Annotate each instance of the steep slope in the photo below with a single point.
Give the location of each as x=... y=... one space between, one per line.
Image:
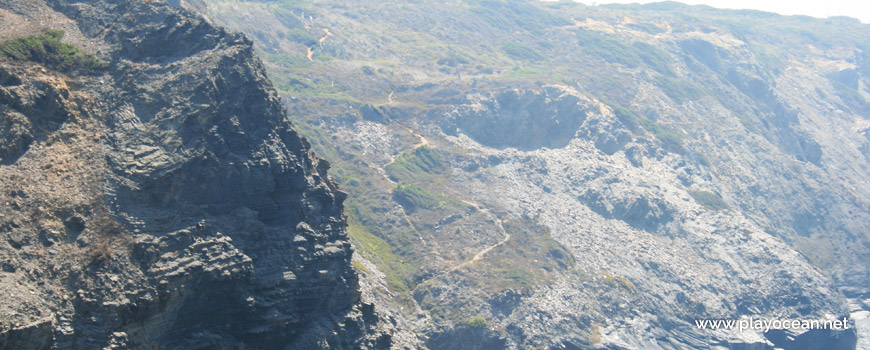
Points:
x=159 y=197
x=650 y=165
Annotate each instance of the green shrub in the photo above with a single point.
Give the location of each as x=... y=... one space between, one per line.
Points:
x=701 y=159
x=359 y=267
x=672 y=140
x=620 y=281
x=476 y=322
x=453 y=59
x=709 y=200
x=47 y=49
x=747 y=124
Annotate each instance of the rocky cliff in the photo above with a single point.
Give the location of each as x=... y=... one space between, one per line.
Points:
x=158 y=197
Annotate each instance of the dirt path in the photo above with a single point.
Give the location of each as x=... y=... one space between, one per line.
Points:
x=480 y=254
x=310 y=53
x=486 y=250
x=423 y=142
x=326 y=34
x=408 y=221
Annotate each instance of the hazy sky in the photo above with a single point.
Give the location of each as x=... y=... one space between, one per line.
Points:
x=859 y=9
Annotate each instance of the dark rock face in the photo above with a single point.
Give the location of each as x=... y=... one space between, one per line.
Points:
x=198 y=217
x=636 y=210
x=467 y=338
x=26 y=115
x=813 y=339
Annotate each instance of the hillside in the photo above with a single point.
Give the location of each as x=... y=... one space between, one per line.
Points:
x=553 y=175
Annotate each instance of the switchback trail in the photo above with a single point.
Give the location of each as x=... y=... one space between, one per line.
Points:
x=480 y=254
x=326 y=34
x=423 y=142
x=486 y=250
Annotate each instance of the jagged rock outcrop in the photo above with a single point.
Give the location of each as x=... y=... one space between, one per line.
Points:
x=164 y=200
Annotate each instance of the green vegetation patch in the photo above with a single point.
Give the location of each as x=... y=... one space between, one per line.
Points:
x=679 y=90
x=530 y=258
x=672 y=140
x=524 y=74
x=521 y=51
x=413 y=197
x=653 y=57
x=509 y=267
x=612 y=49
x=619 y=281
x=390 y=247
x=631 y=120
x=396 y=268
x=420 y=164
x=747 y=124
x=646 y=27
x=453 y=59
x=507 y=14
x=709 y=200
x=319 y=140
x=359 y=267
x=296 y=85
x=849 y=95
x=302 y=36
x=284 y=60
x=47 y=49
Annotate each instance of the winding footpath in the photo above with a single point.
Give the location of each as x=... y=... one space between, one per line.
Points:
x=486 y=250
x=326 y=34
x=499 y=223
x=423 y=142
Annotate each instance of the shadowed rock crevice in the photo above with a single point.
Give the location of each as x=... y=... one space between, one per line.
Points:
x=636 y=210
x=520 y=118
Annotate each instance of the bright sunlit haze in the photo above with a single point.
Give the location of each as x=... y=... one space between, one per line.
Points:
x=820 y=9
